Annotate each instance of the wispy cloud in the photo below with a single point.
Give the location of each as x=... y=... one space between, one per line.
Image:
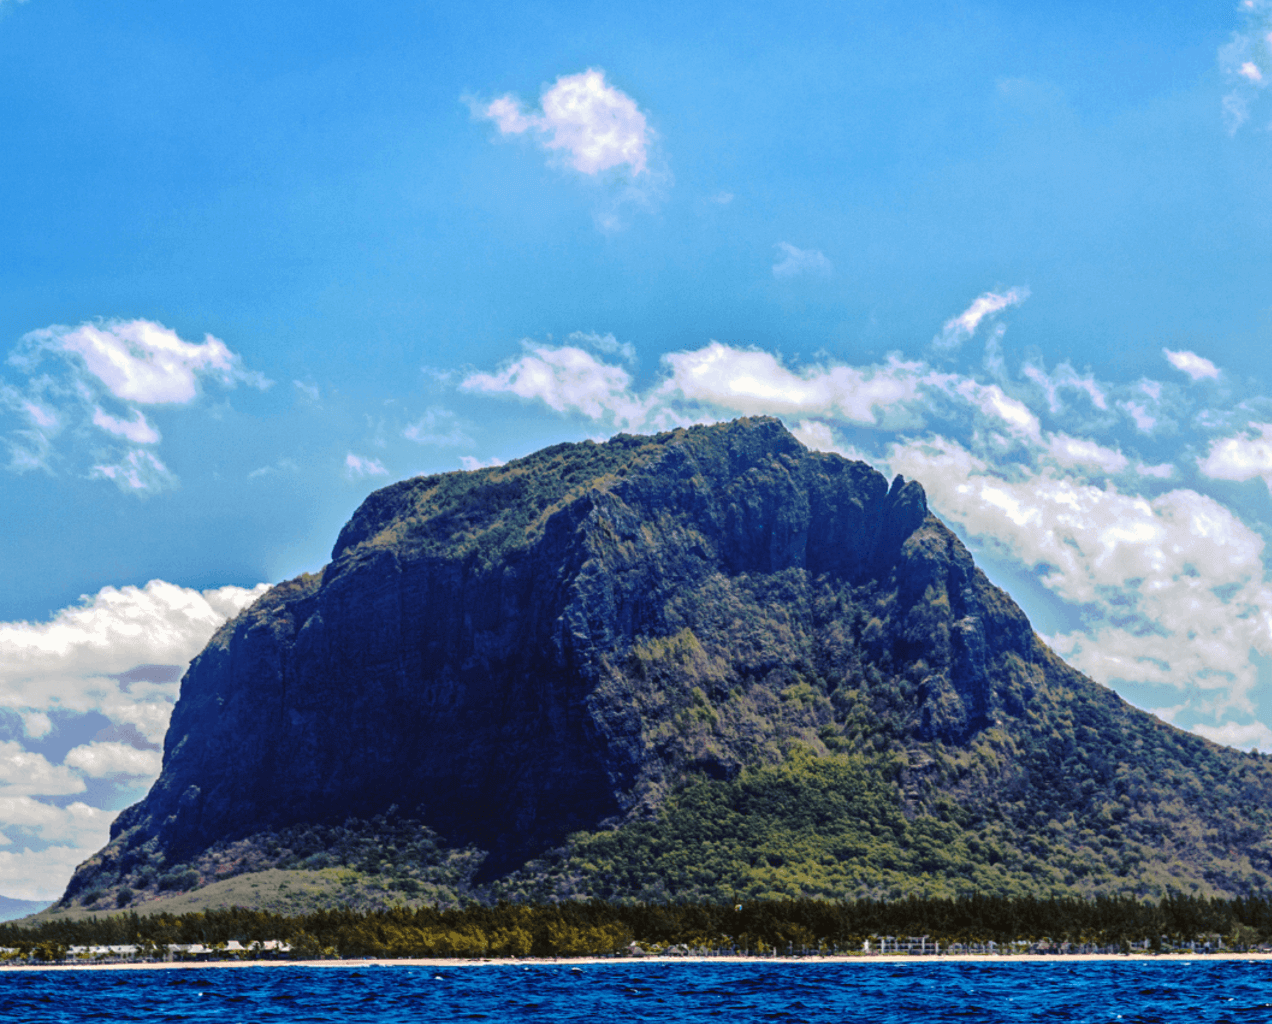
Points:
x=469 y=463
x=606 y=344
x=137 y=429
x=959 y=329
x=439 y=428
x=281 y=466
x=308 y=389
x=1246 y=60
x=1064 y=378
x=99 y=375
x=357 y=467
x=797 y=262
x=139 y=471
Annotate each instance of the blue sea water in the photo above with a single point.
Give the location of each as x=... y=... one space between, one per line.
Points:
x=873 y=993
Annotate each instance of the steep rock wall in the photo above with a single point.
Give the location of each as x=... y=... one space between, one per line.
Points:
x=415 y=671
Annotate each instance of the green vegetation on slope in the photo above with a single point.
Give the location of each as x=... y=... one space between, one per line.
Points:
x=836 y=827
x=488 y=513
x=386 y=861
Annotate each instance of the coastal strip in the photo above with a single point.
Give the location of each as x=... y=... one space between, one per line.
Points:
x=457 y=962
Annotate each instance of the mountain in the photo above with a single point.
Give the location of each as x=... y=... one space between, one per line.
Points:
x=704 y=663
x=11 y=909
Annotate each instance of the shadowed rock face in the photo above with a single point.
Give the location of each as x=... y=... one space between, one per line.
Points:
x=469 y=650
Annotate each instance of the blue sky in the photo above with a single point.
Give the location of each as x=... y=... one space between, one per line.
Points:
x=258 y=264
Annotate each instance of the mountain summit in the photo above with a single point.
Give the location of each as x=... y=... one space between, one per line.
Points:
x=699 y=663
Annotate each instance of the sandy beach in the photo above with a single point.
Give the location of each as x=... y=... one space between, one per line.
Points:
x=456 y=962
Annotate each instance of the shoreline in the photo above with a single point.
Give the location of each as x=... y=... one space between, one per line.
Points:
x=458 y=962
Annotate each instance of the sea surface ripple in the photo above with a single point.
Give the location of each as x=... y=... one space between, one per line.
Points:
x=879 y=993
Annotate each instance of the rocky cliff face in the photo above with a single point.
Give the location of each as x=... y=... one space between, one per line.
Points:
x=552 y=646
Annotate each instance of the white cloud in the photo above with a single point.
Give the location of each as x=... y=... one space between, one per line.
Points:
x=143 y=361
x=1197 y=367
x=814 y=435
x=75 y=823
x=139 y=471
x=439 y=428
x=1080 y=452
x=753 y=382
x=118 y=653
x=1140 y=416
x=700 y=385
x=24 y=773
x=43 y=874
x=994 y=403
x=590 y=124
x=960 y=328
x=722 y=198
x=1250 y=72
x=74 y=833
x=566 y=379
x=794 y=262
x=1242 y=457
x=358 y=467
x=70 y=661
x=1249 y=736
x=103 y=760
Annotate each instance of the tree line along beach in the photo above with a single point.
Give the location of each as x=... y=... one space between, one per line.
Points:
x=979 y=927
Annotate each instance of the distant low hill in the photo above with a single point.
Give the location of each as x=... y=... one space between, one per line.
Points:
x=705 y=664
x=11 y=909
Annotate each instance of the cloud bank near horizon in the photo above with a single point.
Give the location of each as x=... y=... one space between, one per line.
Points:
x=101 y=678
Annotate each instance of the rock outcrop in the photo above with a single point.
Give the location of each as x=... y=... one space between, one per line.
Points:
x=517 y=654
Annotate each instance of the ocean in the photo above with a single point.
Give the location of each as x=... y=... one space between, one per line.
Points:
x=929 y=991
